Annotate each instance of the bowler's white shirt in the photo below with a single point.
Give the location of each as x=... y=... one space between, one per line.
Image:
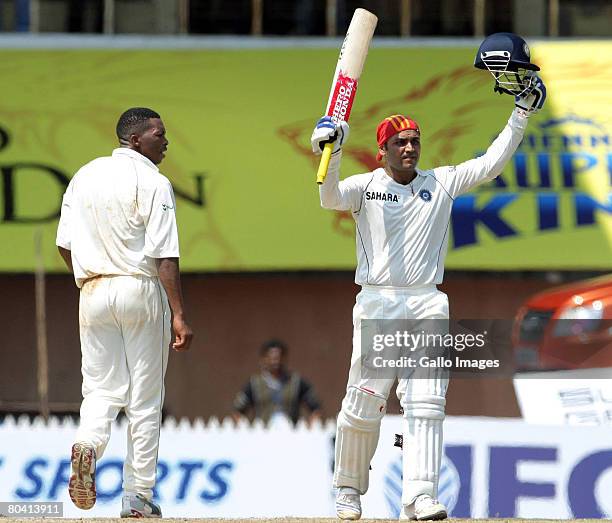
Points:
x=402 y=230
x=118 y=215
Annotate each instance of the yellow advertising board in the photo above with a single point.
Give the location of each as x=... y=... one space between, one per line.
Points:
x=239 y=124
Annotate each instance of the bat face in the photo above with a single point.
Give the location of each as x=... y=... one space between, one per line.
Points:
x=344 y=42
x=350 y=64
x=348 y=70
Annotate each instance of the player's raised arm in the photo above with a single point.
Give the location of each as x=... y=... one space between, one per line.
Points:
x=335 y=194
x=506 y=57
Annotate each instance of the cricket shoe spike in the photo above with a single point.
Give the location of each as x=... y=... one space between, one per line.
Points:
x=82 y=483
x=348 y=503
x=424 y=508
x=137 y=506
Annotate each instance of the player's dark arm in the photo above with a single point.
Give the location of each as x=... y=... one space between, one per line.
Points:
x=66 y=256
x=308 y=397
x=243 y=403
x=170 y=278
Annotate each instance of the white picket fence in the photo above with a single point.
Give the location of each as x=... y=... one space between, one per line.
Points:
x=215 y=468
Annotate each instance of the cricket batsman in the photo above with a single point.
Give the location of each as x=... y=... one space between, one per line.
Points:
x=402 y=215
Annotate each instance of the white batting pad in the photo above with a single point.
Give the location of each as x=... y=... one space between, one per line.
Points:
x=357 y=436
x=422 y=446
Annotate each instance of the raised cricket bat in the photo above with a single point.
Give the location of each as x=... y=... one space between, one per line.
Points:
x=350 y=64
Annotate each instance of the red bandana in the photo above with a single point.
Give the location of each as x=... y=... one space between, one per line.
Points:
x=392 y=125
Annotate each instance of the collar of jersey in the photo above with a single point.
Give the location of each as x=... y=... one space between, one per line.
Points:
x=393 y=183
x=135 y=155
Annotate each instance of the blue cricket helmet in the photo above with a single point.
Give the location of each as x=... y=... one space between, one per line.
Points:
x=506 y=56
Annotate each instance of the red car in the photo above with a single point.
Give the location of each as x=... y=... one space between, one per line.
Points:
x=566 y=327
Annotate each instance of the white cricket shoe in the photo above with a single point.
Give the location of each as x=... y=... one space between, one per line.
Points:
x=348 y=503
x=424 y=508
x=82 y=483
x=137 y=506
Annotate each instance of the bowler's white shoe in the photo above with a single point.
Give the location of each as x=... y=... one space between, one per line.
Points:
x=424 y=508
x=137 y=506
x=348 y=503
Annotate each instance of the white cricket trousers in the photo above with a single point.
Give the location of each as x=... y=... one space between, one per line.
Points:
x=125 y=335
x=422 y=397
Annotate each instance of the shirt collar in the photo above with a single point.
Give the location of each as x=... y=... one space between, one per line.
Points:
x=391 y=181
x=124 y=151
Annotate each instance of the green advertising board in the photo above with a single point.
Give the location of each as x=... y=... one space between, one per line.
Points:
x=239 y=125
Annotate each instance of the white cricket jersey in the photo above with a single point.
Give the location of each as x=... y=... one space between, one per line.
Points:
x=118 y=216
x=402 y=230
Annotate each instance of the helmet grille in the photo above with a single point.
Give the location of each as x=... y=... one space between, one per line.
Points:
x=509 y=77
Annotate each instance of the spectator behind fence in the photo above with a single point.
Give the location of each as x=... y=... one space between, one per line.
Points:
x=275 y=393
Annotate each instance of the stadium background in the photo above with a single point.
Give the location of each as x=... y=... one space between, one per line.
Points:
x=239 y=84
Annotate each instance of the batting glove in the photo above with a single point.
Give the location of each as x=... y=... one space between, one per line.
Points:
x=532 y=101
x=328 y=131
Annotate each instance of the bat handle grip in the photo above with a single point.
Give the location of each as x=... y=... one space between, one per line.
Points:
x=324 y=163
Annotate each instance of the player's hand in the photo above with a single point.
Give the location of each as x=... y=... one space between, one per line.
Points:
x=328 y=131
x=534 y=100
x=182 y=334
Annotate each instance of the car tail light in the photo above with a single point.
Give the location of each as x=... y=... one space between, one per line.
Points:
x=581 y=319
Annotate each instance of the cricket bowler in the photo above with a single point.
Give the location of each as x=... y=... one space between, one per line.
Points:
x=118 y=235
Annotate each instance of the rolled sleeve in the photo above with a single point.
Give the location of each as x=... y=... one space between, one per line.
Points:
x=161 y=238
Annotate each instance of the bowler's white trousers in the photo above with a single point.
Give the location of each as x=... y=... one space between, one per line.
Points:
x=422 y=397
x=125 y=334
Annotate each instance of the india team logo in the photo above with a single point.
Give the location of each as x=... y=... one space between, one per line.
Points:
x=425 y=195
